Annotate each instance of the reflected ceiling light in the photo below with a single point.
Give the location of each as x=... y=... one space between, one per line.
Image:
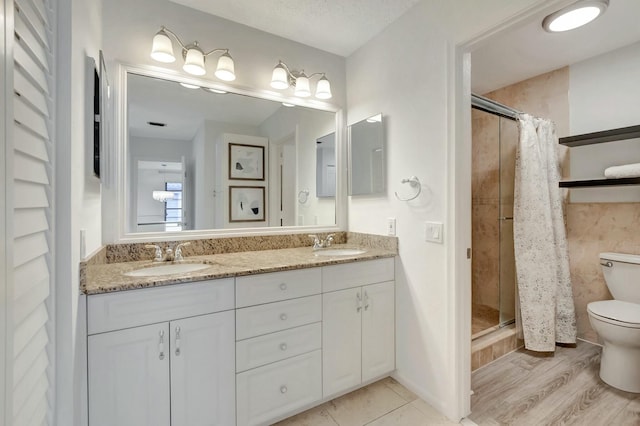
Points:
x=218 y=91
x=283 y=77
x=375 y=119
x=288 y=105
x=189 y=86
x=162 y=196
x=194 y=57
x=574 y=15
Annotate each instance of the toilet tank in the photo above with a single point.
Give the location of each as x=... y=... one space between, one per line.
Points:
x=622 y=276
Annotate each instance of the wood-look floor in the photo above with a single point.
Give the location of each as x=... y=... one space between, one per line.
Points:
x=524 y=389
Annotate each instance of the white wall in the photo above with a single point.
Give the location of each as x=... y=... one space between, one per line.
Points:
x=77 y=195
x=405 y=73
x=604 y=94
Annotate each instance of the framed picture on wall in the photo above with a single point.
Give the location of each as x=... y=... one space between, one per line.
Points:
x=246 y=162
x=246 y=204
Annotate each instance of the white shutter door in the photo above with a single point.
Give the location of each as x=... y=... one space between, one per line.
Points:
x=30 y=151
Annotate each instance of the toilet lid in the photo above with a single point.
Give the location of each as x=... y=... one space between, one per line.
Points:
x=616 y=310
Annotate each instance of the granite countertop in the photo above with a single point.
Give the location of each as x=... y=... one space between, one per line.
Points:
x=109 y=277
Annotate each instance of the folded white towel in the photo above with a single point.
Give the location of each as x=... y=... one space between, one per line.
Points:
x=624 y=171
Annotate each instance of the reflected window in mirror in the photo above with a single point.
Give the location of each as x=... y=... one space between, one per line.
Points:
x=367 y=157
x=196 y=133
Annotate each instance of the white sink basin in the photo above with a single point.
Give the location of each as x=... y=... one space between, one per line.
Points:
x=169 y=269
x=340 y=252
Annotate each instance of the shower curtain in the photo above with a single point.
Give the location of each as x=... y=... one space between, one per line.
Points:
x=540 y=243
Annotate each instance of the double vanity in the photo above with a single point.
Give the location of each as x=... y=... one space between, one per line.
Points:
x=249 y=338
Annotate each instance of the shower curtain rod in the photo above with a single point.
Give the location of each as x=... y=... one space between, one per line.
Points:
x=487 y=105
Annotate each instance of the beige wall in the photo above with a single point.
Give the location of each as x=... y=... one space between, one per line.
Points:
x=592 y=228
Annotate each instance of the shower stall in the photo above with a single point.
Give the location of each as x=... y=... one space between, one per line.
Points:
x=494 y=140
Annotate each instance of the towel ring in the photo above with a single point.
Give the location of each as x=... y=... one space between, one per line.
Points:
x=414 y=182
x=303 y=196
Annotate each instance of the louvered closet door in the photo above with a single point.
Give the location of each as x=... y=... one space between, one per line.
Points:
x=32 y=240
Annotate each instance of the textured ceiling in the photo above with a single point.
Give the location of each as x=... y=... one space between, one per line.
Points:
x=336 y=26
x=528 y=50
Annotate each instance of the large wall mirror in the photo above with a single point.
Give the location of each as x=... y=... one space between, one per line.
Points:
x=367 y=157
x=202 y=159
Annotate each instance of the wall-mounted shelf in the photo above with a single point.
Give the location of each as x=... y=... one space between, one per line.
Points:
x=599 y=182
x=612 y=135
x=602 y=137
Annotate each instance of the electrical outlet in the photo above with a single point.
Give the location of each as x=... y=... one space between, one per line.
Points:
x=391 y=226
x=433 y=232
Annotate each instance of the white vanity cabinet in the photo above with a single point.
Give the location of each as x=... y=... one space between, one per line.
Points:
x=358 y=327
x=278 y=348
x=163 y=356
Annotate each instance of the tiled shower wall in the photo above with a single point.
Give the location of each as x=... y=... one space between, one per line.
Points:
x=592 y=228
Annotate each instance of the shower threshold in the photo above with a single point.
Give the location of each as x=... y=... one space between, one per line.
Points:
x=492 y=329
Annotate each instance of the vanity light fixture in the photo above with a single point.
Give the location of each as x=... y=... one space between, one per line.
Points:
x=288 y=105
x=575 y=15
x=194 y=57
x=283 y=77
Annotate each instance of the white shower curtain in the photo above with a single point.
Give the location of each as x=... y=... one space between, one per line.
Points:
x=542 y=259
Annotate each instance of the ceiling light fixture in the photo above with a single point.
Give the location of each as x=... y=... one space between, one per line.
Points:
x=162 y=196
x=575 y=15
x=194 y=57
x=283 y=77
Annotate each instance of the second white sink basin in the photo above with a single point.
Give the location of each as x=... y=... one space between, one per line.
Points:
x=339 y=252
x=169 y=269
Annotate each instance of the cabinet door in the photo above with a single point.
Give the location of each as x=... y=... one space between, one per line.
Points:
x=378 y=330
x=129 y=377
x=341 y=340
x=203 y=370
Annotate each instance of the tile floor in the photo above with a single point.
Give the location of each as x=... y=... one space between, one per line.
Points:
x=383 y=403
x=483 y=317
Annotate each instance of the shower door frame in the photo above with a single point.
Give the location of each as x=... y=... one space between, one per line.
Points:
x=459 y=199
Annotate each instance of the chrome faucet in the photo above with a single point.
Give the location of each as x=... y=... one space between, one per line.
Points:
x=177 y=254
x=320 y=243
x=170 y=254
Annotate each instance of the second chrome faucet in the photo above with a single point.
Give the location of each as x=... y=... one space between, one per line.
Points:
x=319 y=243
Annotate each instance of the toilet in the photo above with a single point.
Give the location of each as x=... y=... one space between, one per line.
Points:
x=617 y=321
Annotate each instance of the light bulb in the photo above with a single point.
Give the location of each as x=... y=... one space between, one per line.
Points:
x=194 y=61
x=302 y=86
x=226 y=69
x=323 y=89
x=280 y=77
x=162 y=49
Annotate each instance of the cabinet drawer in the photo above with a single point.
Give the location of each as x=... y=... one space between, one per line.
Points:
x=132 y=308
x=269 y=392
x=263 y=319
x=347 y=275
x=265 y=288
x=258 y=351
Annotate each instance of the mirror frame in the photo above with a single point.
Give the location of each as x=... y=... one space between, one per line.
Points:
x=116 y=177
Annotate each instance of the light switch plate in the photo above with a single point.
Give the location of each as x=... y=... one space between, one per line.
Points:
x=391 y=226
x=433 y=232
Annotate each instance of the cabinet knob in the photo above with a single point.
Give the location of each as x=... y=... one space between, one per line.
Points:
x=283 y=317
x=283 y=286
x=283 y=347
x=283 y=389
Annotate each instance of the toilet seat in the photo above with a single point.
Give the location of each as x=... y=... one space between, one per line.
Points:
x=625 y=314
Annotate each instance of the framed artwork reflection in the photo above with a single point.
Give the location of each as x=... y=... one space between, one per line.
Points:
x=246 y=204
x=246 y=162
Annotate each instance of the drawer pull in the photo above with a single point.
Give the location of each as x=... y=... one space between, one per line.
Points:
x=178 y=341
x=366 y=301
x=359 y=302
x=283 y=317
x=283 y=389
x=283 y=347
x=161 y=345
x=283 y=286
